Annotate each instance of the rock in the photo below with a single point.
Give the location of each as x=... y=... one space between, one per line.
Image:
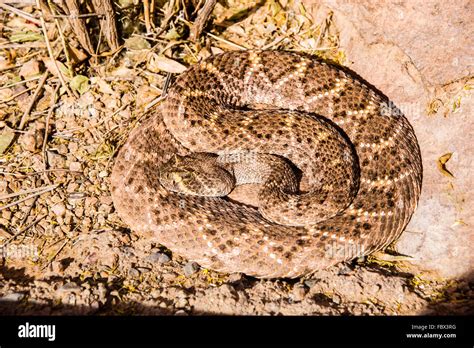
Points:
x=190 y=268
x=62 y=149
x=298 y=292
x=102 y=292
x=133 y=272
x=181 y=313
x=68 y=287
x=13 y=297
x=311 y=282
x=229 y=292
x=75 y=166
x=426 y=67
x=344 y=270
x=181 y=303
x=158 y=257
x=235 y=278
x=95 y=304
x=272 y=307
x=336 y=299
x=114 y=293
x=55 y=160
x=155 y=293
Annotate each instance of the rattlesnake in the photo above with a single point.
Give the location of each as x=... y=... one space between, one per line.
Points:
x=358 y=155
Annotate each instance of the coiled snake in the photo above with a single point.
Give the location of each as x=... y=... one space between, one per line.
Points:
x=338 y=165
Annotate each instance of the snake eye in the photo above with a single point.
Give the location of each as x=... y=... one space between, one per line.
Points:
x=165 y=175
x=186 y=174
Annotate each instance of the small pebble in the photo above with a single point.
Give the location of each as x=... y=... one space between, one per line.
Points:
x=28 y=142
x=190 y=268
x=180 y=313
x=298 y=293
x=133 y=272
x=75 y=166
x=68 y=287
x=344 y=270
x=114 y=293
x=336 y=299
x=143 y=270
x=155 y=293
x=102 y=292
x=14 y=297
x=59 y=209
x=311 y=282
x=157 y=257
x=235 y=277
x=181 y=303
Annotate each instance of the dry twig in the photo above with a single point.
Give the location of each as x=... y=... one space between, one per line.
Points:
x=40 y=192
x=20 y=13
x=201 y=20
x=24 y=229
x=51 y=55
x=32 y=101
x=43 y=148
x=107 y=23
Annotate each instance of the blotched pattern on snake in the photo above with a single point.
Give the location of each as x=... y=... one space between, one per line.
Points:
x=338 y=166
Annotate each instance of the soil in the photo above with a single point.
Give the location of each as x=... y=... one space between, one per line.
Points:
x=64 y=250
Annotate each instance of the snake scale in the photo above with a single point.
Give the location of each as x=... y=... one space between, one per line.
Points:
x=255 y=113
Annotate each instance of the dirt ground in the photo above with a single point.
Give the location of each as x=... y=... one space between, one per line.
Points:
x=63 y=248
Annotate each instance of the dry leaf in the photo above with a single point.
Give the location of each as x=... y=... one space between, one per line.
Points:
x=161 y=63
x=44 y=103
x=236 y=29
x=123 y=72
x=137 y=43
x=30 y=68
x=145 y=94
x=172 y=34
x=5 y=63
x=442 y=165
x=104 y=86
x=80 y=83
x=22 y=24
x=216 y=50
x=49 y=63
x=6 y=138
x=25 y=36
x=5 y=94
x=77 y=55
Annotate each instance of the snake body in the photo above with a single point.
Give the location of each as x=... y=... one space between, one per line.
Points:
x=358 y=155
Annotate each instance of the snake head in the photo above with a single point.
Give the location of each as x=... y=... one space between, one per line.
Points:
x=177 y=177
